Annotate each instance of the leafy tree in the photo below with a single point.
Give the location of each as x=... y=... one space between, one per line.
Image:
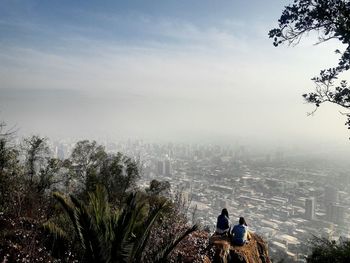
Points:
x=91 y=166
x=87 y=155
x=330 y=20
x=47 y=174
x=118 y=174
x=326 y=251
x=86 y=159
x=9 y=168
x=41 y=173
x=36 y=153
x=40 y=166
x=159 y=188
x=8 y=153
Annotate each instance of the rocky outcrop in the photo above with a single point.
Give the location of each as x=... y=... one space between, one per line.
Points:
x=255 y=251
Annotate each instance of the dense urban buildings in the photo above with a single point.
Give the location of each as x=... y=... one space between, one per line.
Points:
x=285 y=197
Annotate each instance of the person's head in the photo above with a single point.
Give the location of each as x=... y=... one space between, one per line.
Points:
x=224 y=212
x=242 y=221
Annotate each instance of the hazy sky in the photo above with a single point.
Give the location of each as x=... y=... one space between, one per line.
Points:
x=159 y=69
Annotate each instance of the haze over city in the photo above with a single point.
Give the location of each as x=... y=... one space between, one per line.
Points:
x=175 y=131
x=178 y=70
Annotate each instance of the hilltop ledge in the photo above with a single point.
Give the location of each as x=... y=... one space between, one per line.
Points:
x=225 y=252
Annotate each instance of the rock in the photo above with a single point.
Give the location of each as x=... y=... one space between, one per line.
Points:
x=255 y=251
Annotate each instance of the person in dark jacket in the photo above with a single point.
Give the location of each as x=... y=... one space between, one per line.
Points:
x=223 y=223
x=240 y=233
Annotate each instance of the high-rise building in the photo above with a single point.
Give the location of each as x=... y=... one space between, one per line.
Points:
x=167 y=168
x=310 y=208
x=160 y=168
x=60 y=150
x=330 y=195
x=164 y=167
x=335 y=213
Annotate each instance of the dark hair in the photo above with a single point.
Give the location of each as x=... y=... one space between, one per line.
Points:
x=224 y=212
x=242 y=221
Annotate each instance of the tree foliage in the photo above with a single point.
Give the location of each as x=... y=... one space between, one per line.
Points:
x=8 y=153
x=36 y=152
x=118 y=174
x=91 y=165
x=330 y=19
x=326 y=251
x=159 y=188
x=105 y=217
x=113 y=236
x=86 y=158
x=9 y=168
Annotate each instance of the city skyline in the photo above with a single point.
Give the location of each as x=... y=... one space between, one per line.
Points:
x=285 y=198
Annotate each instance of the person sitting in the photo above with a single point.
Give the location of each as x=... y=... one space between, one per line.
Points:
x=223 y=223
x=240 y=233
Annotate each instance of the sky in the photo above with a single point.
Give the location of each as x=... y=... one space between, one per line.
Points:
x=161 y=70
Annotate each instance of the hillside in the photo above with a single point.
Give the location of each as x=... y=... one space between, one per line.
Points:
x=254 y=252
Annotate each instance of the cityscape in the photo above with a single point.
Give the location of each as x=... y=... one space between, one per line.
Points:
x=285 y=199
x=175 y=131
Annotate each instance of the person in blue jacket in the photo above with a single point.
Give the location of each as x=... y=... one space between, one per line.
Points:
x=223 y=223
x=240 y=233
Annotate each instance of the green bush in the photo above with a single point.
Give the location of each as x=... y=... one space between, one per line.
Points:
x=327 y=251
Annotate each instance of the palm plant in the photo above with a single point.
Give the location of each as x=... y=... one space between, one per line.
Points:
x=108 y=236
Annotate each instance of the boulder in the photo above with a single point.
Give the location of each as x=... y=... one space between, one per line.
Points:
x=255 y=251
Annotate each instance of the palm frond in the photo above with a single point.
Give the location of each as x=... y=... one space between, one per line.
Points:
x=118 y=236
x=69 y=208
x=163 y=254
x=141 y=242
x=98 y=203
x=57 y=232
x=84 y=227
x=122 y=244
x=91 y=238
